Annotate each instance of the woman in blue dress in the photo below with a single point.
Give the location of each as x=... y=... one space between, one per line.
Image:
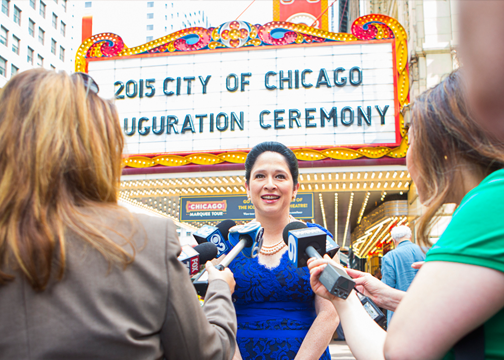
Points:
x=279 y=316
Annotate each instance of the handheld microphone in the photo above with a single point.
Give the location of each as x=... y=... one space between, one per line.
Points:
x=192 y=258
x=217 y=235
x=305 y=243
x=246 y=239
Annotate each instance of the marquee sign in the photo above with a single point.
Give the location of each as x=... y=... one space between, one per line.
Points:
x=236 y=207
x=206 y=96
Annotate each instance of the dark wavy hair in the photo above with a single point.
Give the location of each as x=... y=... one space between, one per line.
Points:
x=446 y=138
x=272 y=146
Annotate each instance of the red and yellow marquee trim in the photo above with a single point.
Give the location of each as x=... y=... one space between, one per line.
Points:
x=239 y=35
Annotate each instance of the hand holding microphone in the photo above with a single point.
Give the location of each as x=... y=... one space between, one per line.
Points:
x=226 y=275
x=328 y=279
x=217 y=235
x=304 y=243
x=246 y=239
x=318 y=266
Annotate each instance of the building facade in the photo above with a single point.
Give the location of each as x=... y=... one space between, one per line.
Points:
x=139 y=21
x=34 y=33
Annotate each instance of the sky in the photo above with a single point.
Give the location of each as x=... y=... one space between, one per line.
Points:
x=121 y=16
x=259 y=12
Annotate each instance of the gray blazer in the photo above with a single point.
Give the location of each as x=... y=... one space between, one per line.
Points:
x=149 y=310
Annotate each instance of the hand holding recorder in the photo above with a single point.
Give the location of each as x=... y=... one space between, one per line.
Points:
x=305 y=243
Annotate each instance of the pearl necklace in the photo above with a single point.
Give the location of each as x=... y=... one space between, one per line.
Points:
x=271 y=250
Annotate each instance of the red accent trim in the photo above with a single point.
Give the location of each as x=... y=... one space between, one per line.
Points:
x=87 y=27
x=397 y=105
x=191 y=168
x=409 y=88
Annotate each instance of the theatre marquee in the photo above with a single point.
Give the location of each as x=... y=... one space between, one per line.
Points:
x=206 y=96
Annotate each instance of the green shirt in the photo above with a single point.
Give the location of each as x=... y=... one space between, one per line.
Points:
x=475 y=236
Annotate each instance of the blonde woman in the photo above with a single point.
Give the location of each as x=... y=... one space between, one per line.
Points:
x=82 y=278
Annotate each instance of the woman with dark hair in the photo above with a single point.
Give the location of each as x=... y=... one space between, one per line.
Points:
x=459 y=291
x=278 y=315
x=80 y=276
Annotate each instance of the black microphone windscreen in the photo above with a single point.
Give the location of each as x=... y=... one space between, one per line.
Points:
x=207 y=251
x=292 y=226
x=224 y=227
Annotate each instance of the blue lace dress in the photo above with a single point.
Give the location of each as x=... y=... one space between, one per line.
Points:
x=275 y=308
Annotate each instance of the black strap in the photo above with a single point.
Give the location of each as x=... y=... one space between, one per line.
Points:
x=471 y=346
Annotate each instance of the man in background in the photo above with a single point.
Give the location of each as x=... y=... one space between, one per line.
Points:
x=396 y=264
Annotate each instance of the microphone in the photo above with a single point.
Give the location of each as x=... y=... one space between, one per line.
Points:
x=304 y=243
x=246 y=239
x=193 y=257
x=217 y=235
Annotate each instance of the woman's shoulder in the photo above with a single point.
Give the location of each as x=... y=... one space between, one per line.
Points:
x=145 y=232
x=475 y=234
x=482 y=204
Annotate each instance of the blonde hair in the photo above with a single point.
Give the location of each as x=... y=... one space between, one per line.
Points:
x=60 y=153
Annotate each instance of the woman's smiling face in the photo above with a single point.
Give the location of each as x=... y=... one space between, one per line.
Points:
x=271 y=187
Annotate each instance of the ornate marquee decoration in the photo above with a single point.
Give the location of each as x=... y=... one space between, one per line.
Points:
x=369 y=237
x=240 y=34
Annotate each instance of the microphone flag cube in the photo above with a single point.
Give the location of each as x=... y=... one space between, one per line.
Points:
x=252 y=232
x=190 y=258
x=213 y=235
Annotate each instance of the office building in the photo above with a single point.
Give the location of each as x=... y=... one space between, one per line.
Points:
x=34 y=33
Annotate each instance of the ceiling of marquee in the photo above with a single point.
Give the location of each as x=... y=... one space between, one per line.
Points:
x=359 y=191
